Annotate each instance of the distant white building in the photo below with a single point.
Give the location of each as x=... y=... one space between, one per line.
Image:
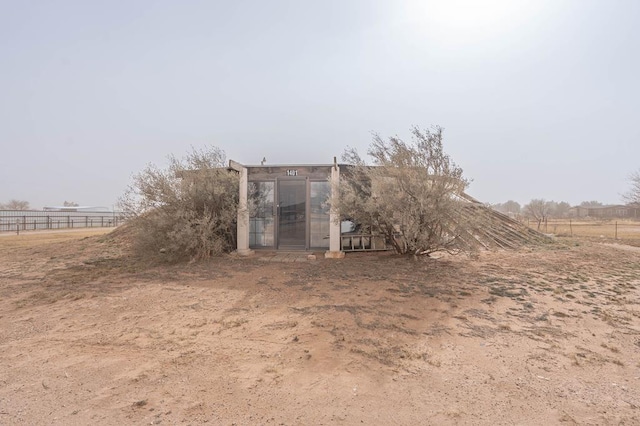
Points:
x=88 y=209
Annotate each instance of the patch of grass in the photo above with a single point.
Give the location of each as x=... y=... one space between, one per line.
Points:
x=38 y=239
x=388 y=355
x=140 y=403
x=281 y=325
x=229 y=324
x=504 y=291
x=611 y=348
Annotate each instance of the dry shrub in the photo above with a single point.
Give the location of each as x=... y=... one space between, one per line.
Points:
x=411 y=195
x=633 y=195
x=186 y=211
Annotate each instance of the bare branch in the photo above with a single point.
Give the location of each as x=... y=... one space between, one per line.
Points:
x=633 y=195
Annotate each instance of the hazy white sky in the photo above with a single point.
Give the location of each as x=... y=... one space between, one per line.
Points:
x=539 y=99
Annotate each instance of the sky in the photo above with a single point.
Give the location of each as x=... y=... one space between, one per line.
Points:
x=538 y=99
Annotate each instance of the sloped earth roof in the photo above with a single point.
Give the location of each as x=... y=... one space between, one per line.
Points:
x=492 y=229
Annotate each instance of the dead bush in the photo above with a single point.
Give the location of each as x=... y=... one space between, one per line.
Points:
x=410 y=194
x=185 y=211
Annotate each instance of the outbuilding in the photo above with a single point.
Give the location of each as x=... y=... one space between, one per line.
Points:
x=291 y=209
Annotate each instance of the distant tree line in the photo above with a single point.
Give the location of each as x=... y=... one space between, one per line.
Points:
x=540 y=209
x=25 y=205
x=15 y=205
x=537 y=208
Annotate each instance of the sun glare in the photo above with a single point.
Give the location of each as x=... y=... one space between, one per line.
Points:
x=467 y=21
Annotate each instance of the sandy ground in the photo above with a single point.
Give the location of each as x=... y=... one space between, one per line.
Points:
x=90 y=335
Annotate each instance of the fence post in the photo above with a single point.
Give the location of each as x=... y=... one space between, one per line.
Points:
x=570 y=228
x=616 y=230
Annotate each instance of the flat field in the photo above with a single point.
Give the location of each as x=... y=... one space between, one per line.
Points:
x=89 y=334
x=623 y=231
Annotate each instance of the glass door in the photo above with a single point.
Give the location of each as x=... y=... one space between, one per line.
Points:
x=292 y=214
x=262 y=220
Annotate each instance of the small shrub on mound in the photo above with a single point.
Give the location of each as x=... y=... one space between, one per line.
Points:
x=186 y=211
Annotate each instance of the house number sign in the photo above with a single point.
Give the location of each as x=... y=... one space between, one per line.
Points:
x=292 y=172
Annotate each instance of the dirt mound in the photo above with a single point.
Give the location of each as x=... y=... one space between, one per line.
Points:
x=124 y=234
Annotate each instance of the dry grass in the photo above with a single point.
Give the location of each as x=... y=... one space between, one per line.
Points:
x=38 y=238
x=627 y=231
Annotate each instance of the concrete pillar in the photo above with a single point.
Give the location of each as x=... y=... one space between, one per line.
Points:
x=243 y=210
x=334 y=218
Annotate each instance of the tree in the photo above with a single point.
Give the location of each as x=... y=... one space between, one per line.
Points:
x=188 y=210
x=560 y=210
x=15 y=205
x=510 y=207
x=410 y=194
x=633 y=195
x=538 y=209
x=70 y=204
x=591 y=204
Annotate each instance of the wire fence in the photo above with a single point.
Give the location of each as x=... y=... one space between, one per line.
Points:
x=624 y=230
x=38 y=220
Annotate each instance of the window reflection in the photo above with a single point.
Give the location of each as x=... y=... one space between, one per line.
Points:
x=261 y=218
x=320 y=192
